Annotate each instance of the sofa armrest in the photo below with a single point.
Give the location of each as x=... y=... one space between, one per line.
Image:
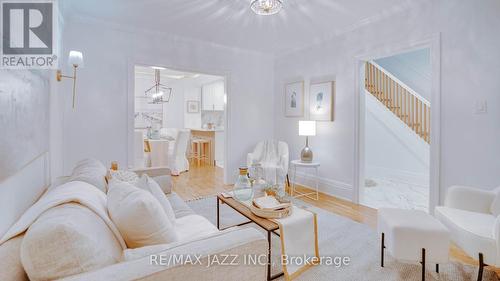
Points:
x=152 y=171
x=469 y=199
x=172 y=264
x=160 y=175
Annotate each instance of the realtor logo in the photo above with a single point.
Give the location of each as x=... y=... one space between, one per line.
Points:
x=28 y=34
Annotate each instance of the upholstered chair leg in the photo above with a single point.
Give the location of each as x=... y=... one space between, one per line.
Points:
x=481 y=267
x=423 y=264
x=382 y=247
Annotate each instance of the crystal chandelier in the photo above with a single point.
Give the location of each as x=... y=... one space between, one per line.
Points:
x=159 y=93
x=266 y=7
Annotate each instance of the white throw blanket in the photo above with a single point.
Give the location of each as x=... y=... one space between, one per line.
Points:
x=299 y=238
x=269 y=157
x=74 y=192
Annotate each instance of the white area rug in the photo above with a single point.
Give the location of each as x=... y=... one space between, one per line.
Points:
x=342 y=237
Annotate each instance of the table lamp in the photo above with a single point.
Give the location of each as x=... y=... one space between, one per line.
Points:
x=307 y=128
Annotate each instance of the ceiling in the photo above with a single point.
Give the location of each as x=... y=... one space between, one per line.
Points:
x=232 y=23
x=175 y=76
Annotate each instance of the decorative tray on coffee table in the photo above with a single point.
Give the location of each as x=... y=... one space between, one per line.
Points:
x=270 y=208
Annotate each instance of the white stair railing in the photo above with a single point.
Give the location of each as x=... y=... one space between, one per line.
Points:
x=409 y=106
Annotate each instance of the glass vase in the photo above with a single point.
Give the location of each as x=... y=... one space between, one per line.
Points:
x=242 y=189
x=256 y=173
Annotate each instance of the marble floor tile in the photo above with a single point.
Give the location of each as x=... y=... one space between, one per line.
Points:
x=384 y=192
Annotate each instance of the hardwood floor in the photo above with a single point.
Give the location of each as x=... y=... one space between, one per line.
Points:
x=202 y=181
x=368 y=216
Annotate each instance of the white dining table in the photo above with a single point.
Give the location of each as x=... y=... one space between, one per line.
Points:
x=159 y=152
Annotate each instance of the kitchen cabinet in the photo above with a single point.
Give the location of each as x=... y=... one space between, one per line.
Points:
x=212 y=96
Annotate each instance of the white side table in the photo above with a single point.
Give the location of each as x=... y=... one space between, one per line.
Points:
x=315 y=166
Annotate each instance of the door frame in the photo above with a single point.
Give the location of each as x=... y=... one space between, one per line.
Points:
x=434 y=44
x=132 y=62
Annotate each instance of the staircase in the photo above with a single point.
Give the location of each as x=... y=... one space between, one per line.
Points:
x=406 y=104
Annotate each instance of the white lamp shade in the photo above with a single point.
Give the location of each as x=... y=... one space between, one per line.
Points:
x=307 y=128
x=75 y=58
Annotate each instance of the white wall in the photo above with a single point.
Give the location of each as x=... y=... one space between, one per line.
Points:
x=24 y=118
x=173 y=111
x=55 y=107
x=469 y=72
x=192 y=93
x=98 y=126
x=412 y=68
x=392 y=149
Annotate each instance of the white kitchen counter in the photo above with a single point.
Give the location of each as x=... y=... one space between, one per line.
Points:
x=217 y=143
x=207 y=130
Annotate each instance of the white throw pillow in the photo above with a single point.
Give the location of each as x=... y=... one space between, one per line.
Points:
x=11 y=268
x=148 y=184
x=90 y=171
x=138 y=216
x=66 y=240
x=495 y=206
x=124 y=175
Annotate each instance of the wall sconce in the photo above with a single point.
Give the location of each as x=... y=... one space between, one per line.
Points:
x=76 y=60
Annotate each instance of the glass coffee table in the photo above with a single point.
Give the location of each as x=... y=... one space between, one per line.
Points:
x=269 y=226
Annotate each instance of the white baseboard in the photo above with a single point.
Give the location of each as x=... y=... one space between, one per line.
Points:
x=328 y=186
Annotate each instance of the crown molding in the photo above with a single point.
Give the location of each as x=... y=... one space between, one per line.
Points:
x=127 y=28
x=378 y=17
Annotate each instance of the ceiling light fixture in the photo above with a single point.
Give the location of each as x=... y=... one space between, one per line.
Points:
x=266 y=7
x=159 y=93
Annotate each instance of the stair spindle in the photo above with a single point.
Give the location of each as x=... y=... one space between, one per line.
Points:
x=400 y=100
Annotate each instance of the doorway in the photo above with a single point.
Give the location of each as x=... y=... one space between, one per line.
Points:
x=179 y=122
x=395 y=94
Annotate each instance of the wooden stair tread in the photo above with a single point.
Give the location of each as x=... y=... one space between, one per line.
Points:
x=392 y=98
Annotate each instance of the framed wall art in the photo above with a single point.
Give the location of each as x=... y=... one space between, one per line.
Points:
x=294 y=99
x=321 y=98
x=193 y=106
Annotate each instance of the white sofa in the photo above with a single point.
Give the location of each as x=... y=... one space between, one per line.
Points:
x=472 y=216
x=71 y=260
x=239 y=242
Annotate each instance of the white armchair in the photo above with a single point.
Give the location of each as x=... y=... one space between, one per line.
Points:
x=273 y=156
x=471 y=215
